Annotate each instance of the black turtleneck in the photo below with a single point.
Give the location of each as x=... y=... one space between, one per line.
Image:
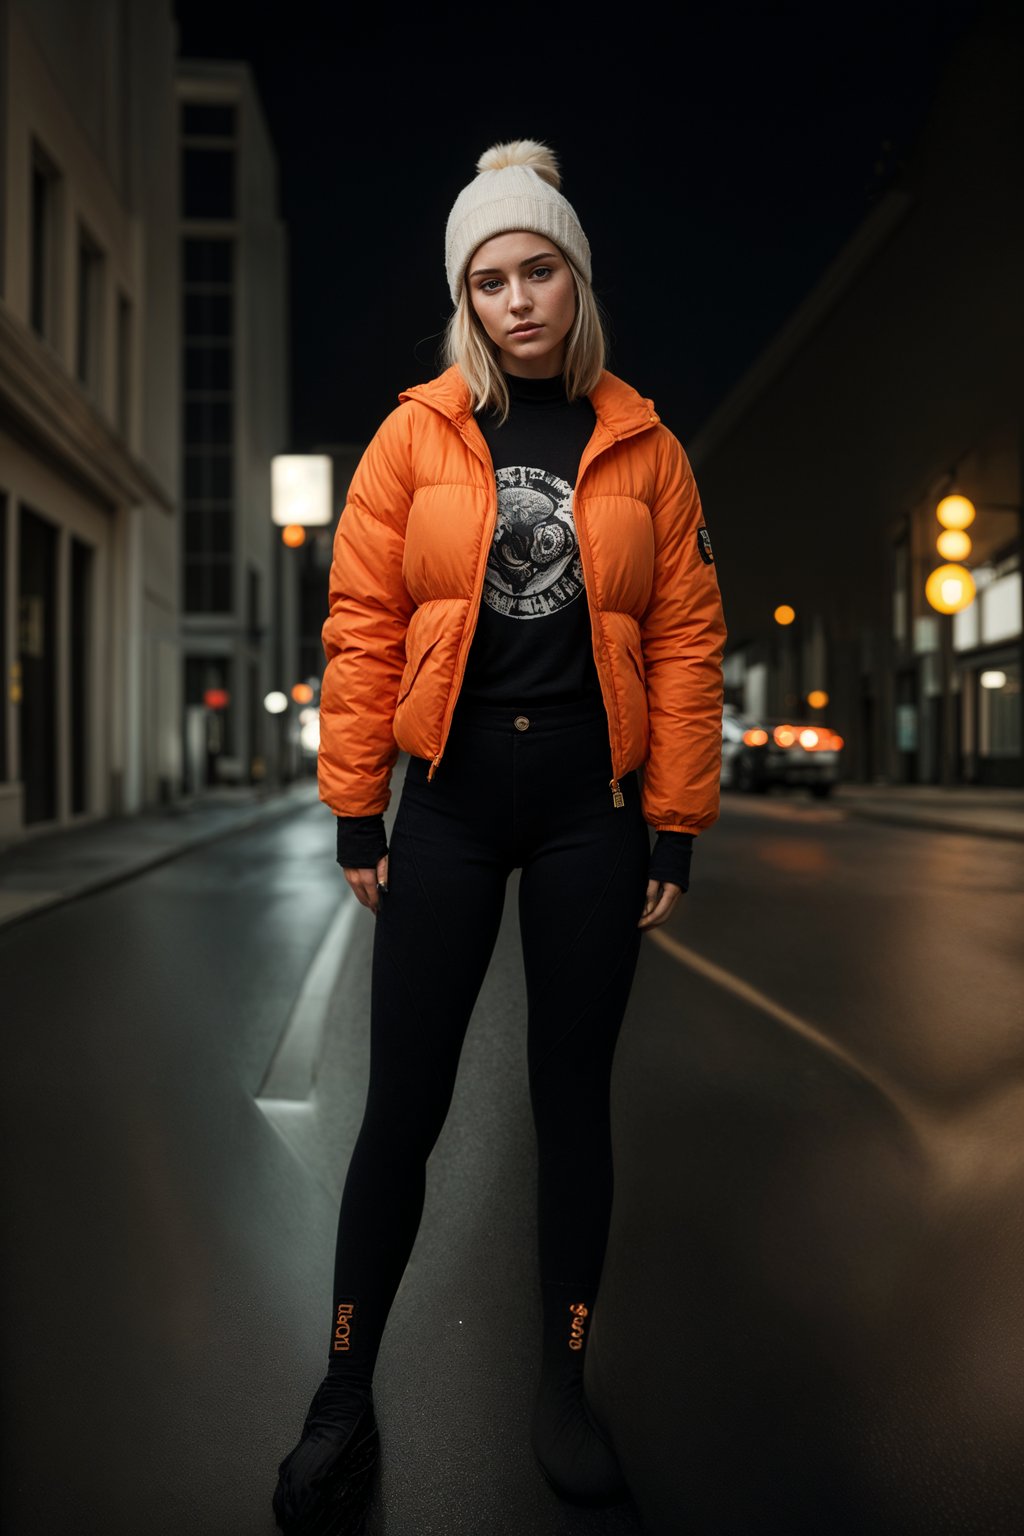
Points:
x=533 y=637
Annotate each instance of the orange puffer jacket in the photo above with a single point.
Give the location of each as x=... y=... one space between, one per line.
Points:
x=410 y=552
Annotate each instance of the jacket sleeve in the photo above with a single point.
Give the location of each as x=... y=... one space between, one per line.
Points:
x=683 y=635
x=364 y=633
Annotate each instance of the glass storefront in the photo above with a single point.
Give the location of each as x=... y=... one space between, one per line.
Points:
x=991 y=746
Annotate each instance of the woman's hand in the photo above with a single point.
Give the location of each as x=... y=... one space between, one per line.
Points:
x=364 y=883
x=661 y=898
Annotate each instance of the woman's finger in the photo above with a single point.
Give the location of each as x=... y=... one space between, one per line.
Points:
x=661 y=898
x=364 y=885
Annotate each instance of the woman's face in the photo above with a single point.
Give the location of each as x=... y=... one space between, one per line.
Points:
x=522 y=289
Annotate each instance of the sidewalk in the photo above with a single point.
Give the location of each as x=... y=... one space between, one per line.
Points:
x=48 y=868
x=983 y=812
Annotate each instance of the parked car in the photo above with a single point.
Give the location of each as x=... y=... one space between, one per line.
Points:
x=759 y=753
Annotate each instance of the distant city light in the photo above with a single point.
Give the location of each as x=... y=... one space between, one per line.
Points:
x=275 y=703
x=294 y=535
x=302 y=693
x=784 y=614
x=993 y=679
x=309 y=734
x=817 y=698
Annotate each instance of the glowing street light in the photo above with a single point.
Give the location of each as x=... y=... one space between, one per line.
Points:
x=784 y=614
x=950 y=588
x=953 y=544
x=300 y=489
x=955 y=512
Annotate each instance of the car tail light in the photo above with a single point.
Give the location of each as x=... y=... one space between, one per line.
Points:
x=812 y=738
x=824 y=739
x=755 y=738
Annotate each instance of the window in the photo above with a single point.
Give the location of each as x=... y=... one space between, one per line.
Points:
x=124 y=365
x=89 y=327
x=43 y=247
x=10 y=677
x=208 y=425
x=79 y=671
x=208 y=160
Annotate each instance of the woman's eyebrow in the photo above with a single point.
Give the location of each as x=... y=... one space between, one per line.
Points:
x=544 y=256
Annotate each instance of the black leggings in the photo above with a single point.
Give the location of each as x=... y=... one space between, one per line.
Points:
x=503 y=797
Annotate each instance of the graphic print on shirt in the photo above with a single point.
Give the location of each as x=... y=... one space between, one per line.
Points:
x=534 y=567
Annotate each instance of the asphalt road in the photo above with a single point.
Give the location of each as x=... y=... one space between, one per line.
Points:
x=811 y=1316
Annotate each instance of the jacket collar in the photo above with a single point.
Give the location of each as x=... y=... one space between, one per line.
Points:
x=619 y=408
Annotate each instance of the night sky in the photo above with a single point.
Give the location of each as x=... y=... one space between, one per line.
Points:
x=718 y=159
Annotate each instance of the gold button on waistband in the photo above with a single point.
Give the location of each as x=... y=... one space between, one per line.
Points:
x=521 y=722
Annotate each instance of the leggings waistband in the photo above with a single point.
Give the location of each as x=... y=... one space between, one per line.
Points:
x=567 y=715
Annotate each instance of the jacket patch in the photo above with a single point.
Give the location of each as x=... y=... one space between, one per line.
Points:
x=704 y=545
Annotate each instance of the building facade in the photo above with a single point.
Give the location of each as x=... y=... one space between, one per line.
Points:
x=143 y=377
x=240 y=585
x=897 y=381
x=88 y=418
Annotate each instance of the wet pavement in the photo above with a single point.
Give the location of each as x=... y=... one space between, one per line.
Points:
x=810 y=1317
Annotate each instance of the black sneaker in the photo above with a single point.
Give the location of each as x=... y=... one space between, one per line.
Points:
x=324 y=1483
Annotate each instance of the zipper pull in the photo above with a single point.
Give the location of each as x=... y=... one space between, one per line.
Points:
x=433 y=767
x=618 y=798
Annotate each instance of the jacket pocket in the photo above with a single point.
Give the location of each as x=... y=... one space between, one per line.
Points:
x=636 y=657
x=412 y=669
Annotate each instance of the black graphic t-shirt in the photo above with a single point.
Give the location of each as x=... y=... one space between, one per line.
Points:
x=532 y=643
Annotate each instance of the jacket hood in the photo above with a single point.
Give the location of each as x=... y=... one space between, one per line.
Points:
x=620 y=408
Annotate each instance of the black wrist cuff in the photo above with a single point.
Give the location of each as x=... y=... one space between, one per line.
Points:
x=362 y=841
x=670 y=858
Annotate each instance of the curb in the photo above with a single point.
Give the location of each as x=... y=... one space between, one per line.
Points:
x=931 y=823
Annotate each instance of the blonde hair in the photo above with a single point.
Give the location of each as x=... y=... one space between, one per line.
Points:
x=468 y=345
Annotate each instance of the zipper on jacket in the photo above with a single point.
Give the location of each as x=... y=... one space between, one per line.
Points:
x=485 y=546
x=583 y=536
x=486 y=460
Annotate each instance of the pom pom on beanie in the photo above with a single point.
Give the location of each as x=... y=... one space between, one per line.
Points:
x=517 y=186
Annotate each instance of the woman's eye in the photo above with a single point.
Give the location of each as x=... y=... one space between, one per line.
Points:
x=485 y=287
x=540 y=269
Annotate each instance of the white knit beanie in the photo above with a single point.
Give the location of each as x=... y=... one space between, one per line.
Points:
x=516 y=187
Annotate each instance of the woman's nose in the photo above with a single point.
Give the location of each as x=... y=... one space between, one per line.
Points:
x=518 y=299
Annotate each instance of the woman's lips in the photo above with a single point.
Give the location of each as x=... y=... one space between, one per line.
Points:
x=526 y=330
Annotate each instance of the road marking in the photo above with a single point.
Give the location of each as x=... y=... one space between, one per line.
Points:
x=968 y=1149
x=293 y=1067
x=896 y=1095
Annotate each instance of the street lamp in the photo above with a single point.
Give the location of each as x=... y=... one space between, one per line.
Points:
x=950 y=588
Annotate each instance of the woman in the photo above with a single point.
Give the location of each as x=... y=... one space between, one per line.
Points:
x=523 y=598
